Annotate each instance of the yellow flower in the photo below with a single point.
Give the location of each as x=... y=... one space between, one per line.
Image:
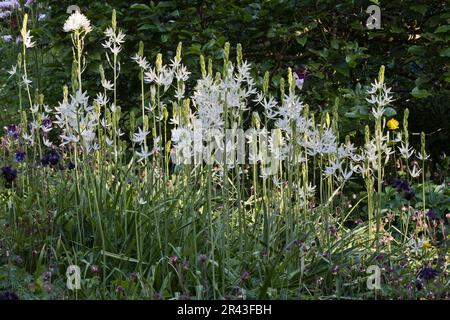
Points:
x=426 y=244
x=392 y=124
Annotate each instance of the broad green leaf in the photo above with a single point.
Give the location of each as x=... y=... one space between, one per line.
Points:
x=444 y=52
x=140 y=6
x=389 y=112
x=440 y=29
x=301 y=40
x=420 y=93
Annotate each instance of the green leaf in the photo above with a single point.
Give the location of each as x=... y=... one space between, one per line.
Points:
x=440 y=29
x=140 y=6
x=444 y=52
x=389 y=112
x=420 y=8
x=301 y=40
x=417 y=50
x=420 y=93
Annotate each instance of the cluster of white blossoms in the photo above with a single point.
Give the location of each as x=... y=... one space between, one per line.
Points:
x=207 y=126
x=162 y=75
x=380 y=97
x=77 y=22
x=114 y=40
x=78 y=122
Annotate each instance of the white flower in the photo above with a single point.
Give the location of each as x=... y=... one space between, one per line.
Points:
x=346 y=173
x=405 y=151
x=80 y=97
x=26 y=81
x=141 y=201
x=108 y=141
x=101 y=99
x=378 y=112
x=34 y=108
x=140 y=136
x=104 y=123
x=69 y=138
x=107 y=85
x=13 y=71
x=27 y=40
x=422 y=157
x=375 y=87
x=120 y=133
x=114 y=41
x=144 y=154
x=414 y=173
x=77 y=22
x=48 y=143
x=29 y=138
x=141 y=61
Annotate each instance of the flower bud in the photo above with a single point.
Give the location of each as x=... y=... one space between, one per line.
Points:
x=239 y=53
x=381 y=75
x=266 y=82
x=203 y=66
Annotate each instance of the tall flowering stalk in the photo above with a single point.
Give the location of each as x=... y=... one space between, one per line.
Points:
x=114 y=41
x=78 y=26
x=380 y=97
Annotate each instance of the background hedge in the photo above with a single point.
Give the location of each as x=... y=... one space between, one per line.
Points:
x=329 y=38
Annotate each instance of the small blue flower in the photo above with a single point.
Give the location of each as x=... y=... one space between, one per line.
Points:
x=20 y=156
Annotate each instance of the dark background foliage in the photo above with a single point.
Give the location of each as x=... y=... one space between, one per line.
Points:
x=329 y=38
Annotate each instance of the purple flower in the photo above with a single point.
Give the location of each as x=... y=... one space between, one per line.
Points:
x=8 y=295
x=9 y=173
x=403 y=186
x=300 y=77
x=427 y=273
x=47 y=123
x=158 y=296
x=20 y=156
x=335 y=269
x=245 y=276
x=431 y=214
x=12 y=4
x=202 y=258
x=185 y=265
x=70 y=165
x=12 y=131
x=133 y=276
x=94 y=268
x=120 y=289
x=18 y=260
x=409 y=194
x=173 y=260
x=50 y=158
